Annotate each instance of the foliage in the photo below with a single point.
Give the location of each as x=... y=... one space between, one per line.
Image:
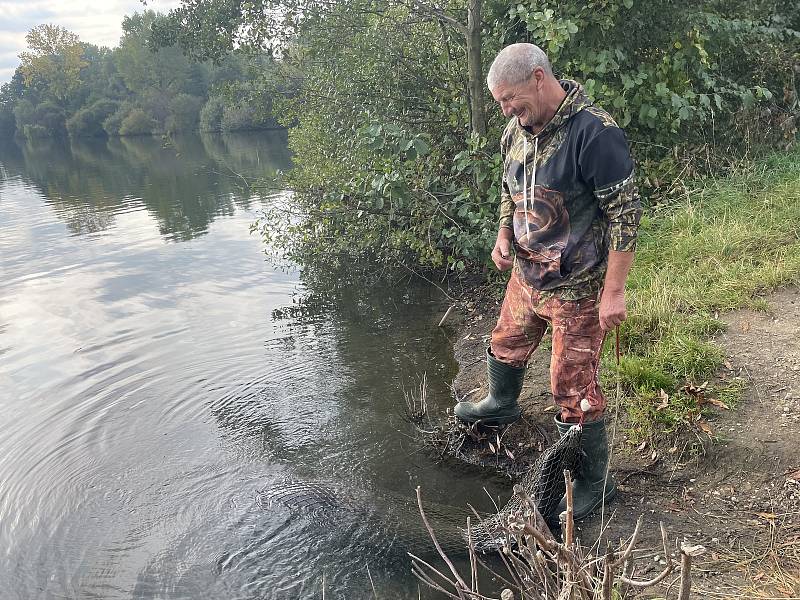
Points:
x=211 y=114
x=42 y=120
x=670 y=71
x=54 y=61
x=137 y=122
x=369 y=80
x=58 y=69
x=88 y=122
x=112 y=123
x=184 y=112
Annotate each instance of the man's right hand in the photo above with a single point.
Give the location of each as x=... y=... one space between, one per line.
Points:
x=501 y=253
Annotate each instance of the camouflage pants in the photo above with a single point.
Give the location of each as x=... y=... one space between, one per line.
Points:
x=577 y=337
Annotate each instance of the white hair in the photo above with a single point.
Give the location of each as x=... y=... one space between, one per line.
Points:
x=515 y=63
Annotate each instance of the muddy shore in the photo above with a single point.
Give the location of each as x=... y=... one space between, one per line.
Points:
x=736 y=490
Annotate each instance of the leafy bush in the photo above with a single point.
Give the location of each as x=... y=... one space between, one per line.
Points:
x=23 y=114
x=673 y=74
x=88 y=122
x=7 y=121
x=668 y=71
x=137 y=122
x=211 y=114
x=238 y=117
x=113 y=122
x=184 y=112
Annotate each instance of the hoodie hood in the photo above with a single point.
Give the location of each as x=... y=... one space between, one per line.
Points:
x=574 y=102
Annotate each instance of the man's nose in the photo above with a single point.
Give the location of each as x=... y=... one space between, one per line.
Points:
x=506 y=108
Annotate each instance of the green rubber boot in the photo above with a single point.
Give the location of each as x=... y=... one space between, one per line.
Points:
x=587 y=484
x=500 y=406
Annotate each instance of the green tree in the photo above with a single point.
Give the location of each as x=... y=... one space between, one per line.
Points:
x=184 y=113
x=211 y=114
x=389 y=157
x=165 y=70
x=88 y=122
x=137 y=122
x=54 y=59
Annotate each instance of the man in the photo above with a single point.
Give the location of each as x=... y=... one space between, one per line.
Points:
x=570 y=211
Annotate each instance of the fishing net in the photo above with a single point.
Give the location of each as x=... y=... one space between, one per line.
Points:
x=544 y=483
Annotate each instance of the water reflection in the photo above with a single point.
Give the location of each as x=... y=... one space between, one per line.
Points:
x=158 y=375
x=183 y=182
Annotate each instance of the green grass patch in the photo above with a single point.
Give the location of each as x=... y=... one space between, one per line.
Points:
x=723 y=247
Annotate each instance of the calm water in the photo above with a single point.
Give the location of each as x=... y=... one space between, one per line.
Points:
x=156 y=373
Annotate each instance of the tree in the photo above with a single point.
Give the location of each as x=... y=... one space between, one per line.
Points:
x=164 y=70
x=54 y=60
x=214 y=28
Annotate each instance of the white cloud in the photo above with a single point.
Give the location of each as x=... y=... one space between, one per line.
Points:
x=95 y=21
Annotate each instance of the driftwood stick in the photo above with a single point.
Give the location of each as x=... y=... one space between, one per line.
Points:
x=686 y=576
x=473 y=567
x=627 y=573
x=608 y=575
x=569 y=522
x=687 y=553
x=436 y=543
x=660 y=577
x=538 y=520
x=650 y=582
x=447 y=314
x=627 y=552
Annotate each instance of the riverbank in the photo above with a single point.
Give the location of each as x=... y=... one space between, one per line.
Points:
x=710 y=400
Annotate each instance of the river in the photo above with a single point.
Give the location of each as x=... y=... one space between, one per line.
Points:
x=158 y=372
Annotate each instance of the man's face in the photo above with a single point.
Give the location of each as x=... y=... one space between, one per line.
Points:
x=522 y=100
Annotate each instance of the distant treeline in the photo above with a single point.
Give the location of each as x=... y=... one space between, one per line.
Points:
x=67 y=87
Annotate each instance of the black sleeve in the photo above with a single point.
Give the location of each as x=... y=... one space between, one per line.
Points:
x=606 y=160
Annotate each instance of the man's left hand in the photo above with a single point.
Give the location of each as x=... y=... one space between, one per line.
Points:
x=612 y=309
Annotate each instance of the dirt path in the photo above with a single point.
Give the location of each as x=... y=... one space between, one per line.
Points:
x=737 y=495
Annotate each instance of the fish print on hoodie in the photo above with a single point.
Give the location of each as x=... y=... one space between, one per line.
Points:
x=569 y=196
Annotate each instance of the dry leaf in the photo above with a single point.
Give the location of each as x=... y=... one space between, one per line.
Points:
x=550 y=408
x=491 y=447
x=718 y=403
x=767 y=516
x=745 y=326
x=664 y=400
x=795 y=475
x=705 y=427
x=698 y=392
x=509 y=454
x=758 y=576
x=642 y=446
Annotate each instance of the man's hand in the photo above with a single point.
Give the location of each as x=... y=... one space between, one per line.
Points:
x=612 y=301
x=501 y=253
x=612 y=309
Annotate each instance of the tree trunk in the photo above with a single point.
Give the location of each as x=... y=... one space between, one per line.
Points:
x=477 y=108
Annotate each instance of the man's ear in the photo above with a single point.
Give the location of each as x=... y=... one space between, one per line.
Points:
x=538 y=76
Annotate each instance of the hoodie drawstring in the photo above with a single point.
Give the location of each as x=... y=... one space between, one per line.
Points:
x=525 y=178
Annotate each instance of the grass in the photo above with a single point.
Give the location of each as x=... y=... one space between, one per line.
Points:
x=721 y=248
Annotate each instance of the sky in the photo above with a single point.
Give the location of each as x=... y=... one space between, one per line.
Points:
x=95 y=21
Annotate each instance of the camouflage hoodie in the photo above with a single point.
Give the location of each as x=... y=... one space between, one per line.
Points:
x=568 y=194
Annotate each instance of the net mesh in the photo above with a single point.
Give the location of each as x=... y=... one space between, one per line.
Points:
x=544 y=483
